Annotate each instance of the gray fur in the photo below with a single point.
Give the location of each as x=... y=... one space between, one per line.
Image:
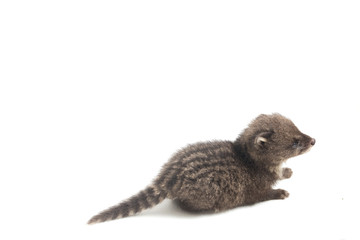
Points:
x=220 y=175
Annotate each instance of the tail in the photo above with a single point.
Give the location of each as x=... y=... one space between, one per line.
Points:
x=145 y=199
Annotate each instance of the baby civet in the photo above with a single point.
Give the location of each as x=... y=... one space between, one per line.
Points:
x=220 y=175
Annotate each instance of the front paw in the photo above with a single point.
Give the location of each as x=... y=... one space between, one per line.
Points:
x=286 y=173
x=280 y=194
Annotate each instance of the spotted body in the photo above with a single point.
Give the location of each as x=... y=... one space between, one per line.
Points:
x=220 y=175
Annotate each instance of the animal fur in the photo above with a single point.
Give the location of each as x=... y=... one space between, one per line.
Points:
x=220 y=175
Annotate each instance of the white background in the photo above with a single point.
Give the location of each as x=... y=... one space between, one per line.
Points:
x=96 y=95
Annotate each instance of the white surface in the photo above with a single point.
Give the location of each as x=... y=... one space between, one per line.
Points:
x=96 y=95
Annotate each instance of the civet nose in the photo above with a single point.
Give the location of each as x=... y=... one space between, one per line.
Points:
x=313 y=141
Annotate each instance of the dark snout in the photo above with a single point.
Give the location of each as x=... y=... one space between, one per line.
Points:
x=308 y=144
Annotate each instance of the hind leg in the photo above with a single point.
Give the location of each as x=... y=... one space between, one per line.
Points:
x=186 y=206
x=196 y=200
x=195 y=205
x=200 y=195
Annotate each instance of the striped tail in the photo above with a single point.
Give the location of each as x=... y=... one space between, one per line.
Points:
x=145 y=199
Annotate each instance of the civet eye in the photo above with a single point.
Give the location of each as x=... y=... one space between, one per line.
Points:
x=296 y=143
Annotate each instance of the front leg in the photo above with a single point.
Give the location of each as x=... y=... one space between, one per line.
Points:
x=276 y=194
x=269 y=194
x=286 y=173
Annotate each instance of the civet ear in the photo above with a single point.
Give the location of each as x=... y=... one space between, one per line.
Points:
x=262 y=138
